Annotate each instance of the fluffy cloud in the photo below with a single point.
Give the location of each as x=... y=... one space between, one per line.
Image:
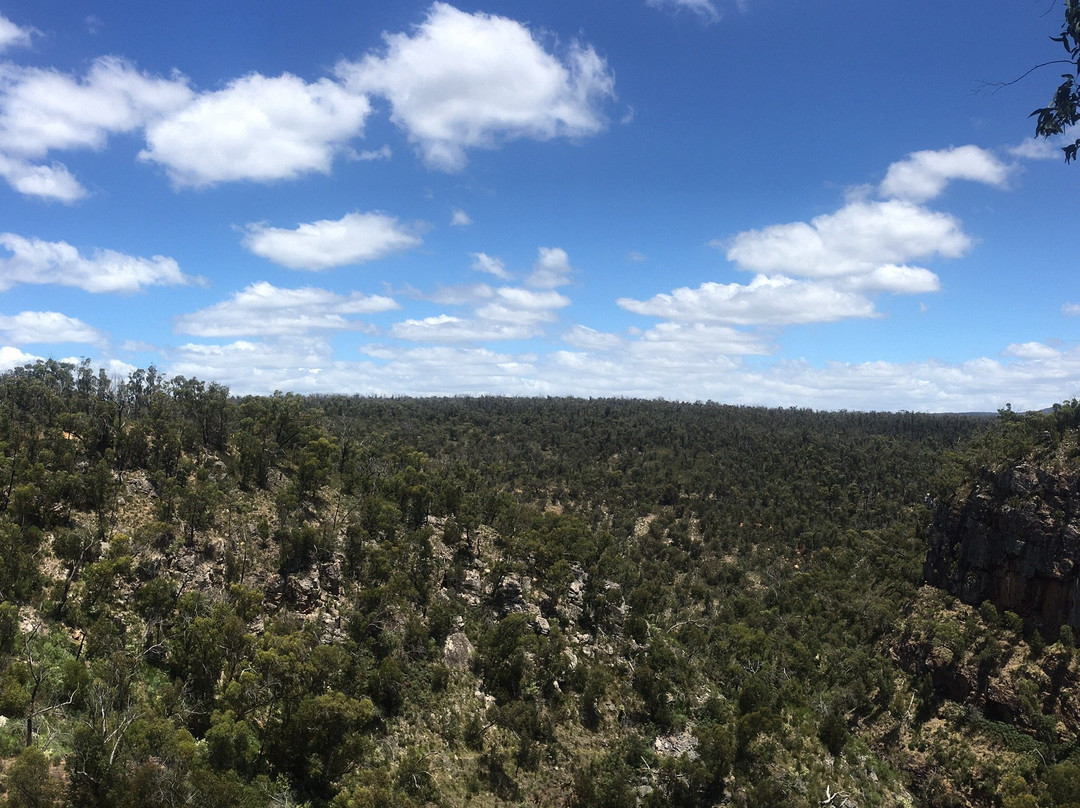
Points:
x=457 y=81
x=118 y=369
x=461 y=81
x=257 y=128
x=11 y=357
x=704 y=8
x=51 y=327
x=552 y=268
x=1070 y=309
x=899 y=280
x=855 y=240
x=513 y=305
x=482 y=262
x=12 y=35
x=1031 y=350
x=764 y=301
x=265 y=310
x=52 y=182
x=353 y=239
x=460 y=218
x=923 y=175
x=33 y=261
x=832 y=267
x=42 y=110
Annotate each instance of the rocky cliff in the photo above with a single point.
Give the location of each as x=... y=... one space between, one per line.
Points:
x=1013 y=538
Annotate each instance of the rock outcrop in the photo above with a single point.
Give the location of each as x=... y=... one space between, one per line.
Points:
x=1014 y=540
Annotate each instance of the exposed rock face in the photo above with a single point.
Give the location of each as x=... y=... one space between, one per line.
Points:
x=683 y=743
x=457 y=650
x=1015 y=541
x=511 y=593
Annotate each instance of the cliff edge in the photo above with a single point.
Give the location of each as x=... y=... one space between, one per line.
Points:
x=1013 y=538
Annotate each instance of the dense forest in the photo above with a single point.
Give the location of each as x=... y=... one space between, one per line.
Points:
x=211 y=600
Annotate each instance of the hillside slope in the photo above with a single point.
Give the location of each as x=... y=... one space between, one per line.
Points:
x=348 y=601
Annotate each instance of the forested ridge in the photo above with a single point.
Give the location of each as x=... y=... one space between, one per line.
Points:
x=211 y=600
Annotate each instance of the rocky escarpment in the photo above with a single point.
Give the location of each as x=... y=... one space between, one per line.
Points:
x=1013 y=539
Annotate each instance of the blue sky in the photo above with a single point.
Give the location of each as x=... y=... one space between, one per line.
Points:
x=817 y=204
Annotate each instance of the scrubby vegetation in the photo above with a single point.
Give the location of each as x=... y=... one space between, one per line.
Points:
x=342 y=601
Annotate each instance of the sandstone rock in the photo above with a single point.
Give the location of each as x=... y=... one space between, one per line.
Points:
x=456 y=651
x=139 y=484
x=677 y=745
x=510 y=594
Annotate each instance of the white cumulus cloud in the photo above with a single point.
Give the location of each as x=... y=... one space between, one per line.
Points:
x=51 y=182
x=257 y=128
x=858 y=239
x=47 y=327
x=456 y=81
x=552 y=268
x=34 y=261
x=902 y=280
x=923 y=175
x=766 y=300
x=353 y=239
x=266 y=310
x=835 y=266
x=12 y=357
x=461 y=81
x=1031 y=350
x=43 y=110
x=511 y=304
